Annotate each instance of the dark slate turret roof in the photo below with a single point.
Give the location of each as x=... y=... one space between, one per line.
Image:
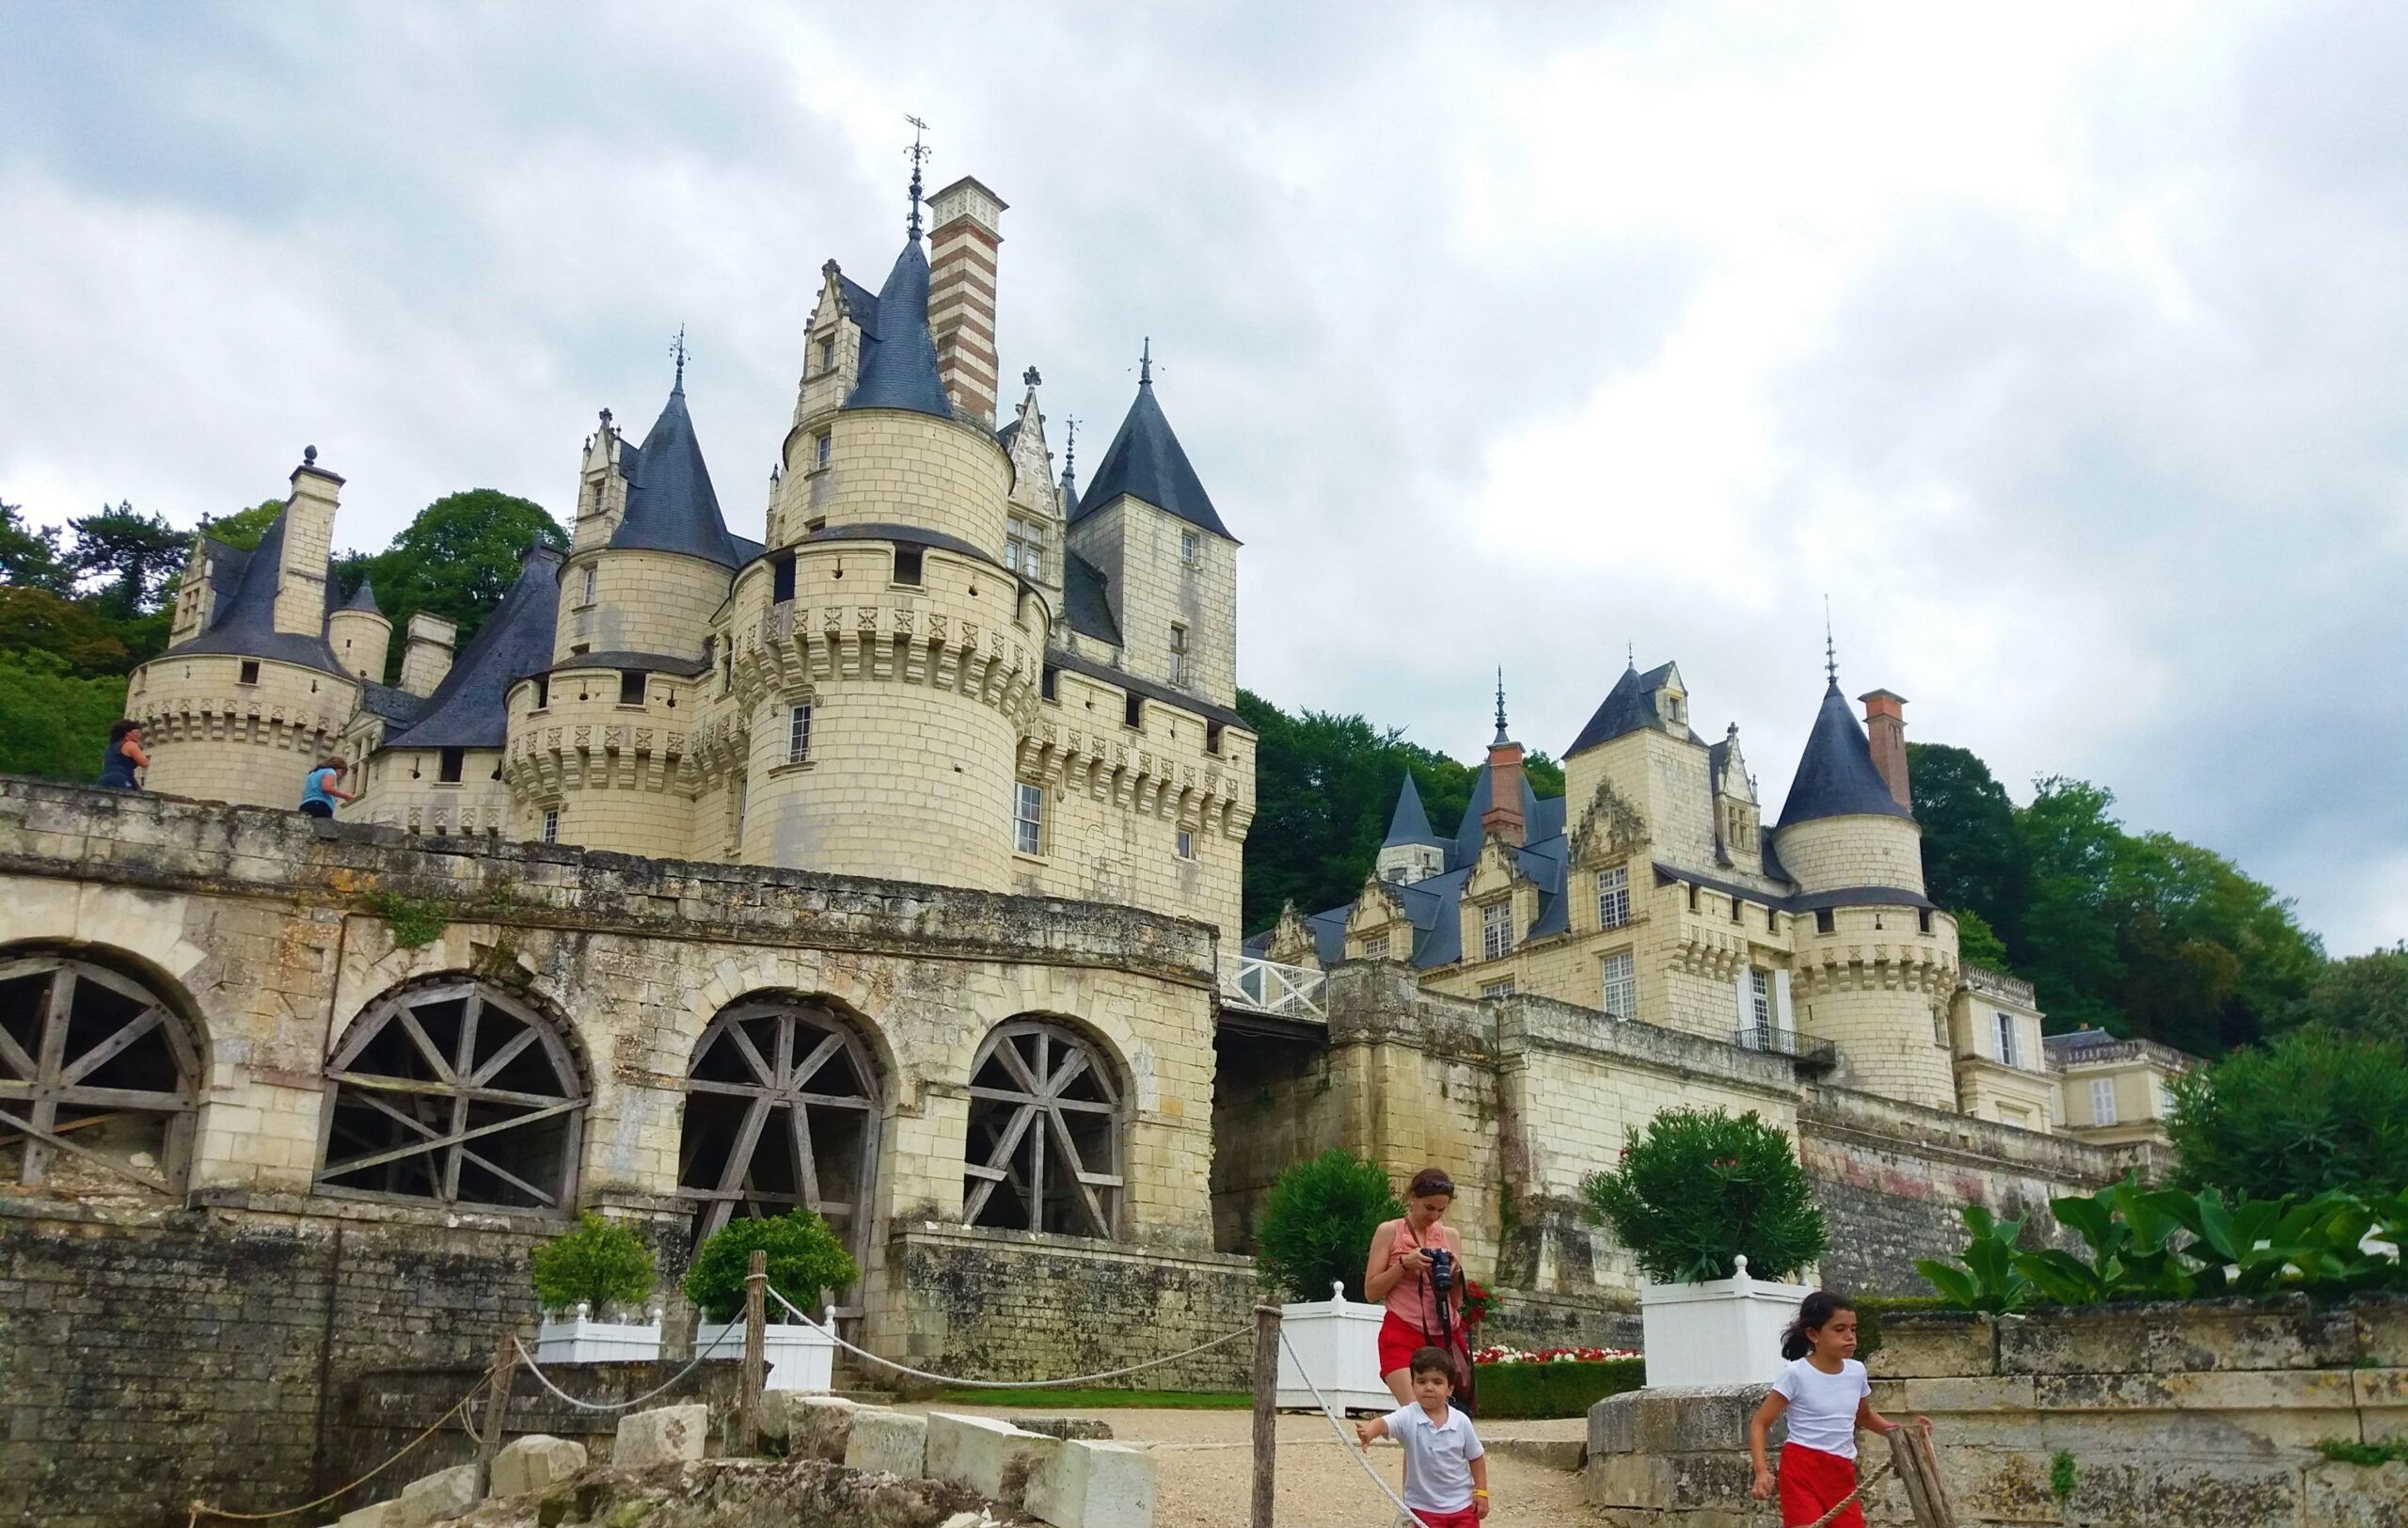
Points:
x=899 y=363
x=671 y=504
x=1086 y=599
x=364 y=597
x=1628 y=707
x=1144 y=461
x=1409 y=823
x=1070 y=495
x=1835 y=775
x=243 y=618
x=467 y=710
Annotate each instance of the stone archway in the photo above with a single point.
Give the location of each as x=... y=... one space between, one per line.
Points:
x=782 y=1112
x=1044 y=1146
x=95 y=1069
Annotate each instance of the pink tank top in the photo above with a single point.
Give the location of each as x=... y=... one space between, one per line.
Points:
x=1410 y=1297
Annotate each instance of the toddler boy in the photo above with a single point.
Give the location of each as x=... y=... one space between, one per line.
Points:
x=1446 y=1471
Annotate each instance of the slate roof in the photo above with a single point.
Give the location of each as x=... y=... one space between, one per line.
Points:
x=468 y=708
x=1069 y=495
x=394 y=706
x=1177 y=699
x=1628 y=707
x=1144 y=461
x=1086 y=599
x=899 y=363
x=1409 y=823
x=1835 y=774
x=671 y=504
x=363 y=597
x=621 y=659
x=242 y=615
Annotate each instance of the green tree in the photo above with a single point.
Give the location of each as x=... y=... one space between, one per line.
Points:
x=29 y=555
x=52 y=722
x=35 y=620
x=2315 y=1111
x=805 y=1258
x=2363 y=995
x=1977 y=944
x=242 y=529
x=1699 y=1187
x=1971 y=858
x=132 y=557
x=2065 y=945
x=456 y=560
x=600 y=1263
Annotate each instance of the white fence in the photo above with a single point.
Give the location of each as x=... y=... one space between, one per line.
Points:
x=1293 y=992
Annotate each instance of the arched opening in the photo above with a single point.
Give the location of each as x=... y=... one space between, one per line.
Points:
x=781 y=1111
x=453 y=1092
x=1044 y=1150
x=98 y=1079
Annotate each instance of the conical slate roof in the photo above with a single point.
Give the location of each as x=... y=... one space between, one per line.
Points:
x=1835 y=775
x=1628 y=707
x=1144 y=461
x=243 y=620
x=671 y=504
x=467 y=710
x=1409 y=823
x=363 y=597
x=899 y=366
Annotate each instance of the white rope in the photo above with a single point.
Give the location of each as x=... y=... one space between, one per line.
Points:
x=830 y=1331
x=1353 y=1446
x=529 y=1360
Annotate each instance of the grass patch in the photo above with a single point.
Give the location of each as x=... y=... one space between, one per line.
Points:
x=414 y=921
x=1097 y=1400
x=2341 y=1451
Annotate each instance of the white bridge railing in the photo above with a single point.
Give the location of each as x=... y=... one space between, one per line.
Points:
x=1294 y=991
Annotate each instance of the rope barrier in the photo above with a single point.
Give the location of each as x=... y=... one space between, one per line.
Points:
x=830 y=1333
x=1353 y=1446
x=1861 y=1486
x=201 y=1509
x=545 y=1381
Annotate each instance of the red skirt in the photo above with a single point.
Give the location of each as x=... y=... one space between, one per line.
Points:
x=1398 y=1341
x=1811 y=1483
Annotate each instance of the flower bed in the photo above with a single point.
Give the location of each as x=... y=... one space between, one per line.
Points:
x=1515 y=1384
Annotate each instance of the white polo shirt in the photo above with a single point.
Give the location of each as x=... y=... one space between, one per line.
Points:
x=1437 y=1457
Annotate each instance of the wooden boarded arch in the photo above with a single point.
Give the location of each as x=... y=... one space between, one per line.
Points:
x=454 y=1093
x=782 y=1112
x=1044 y=1146
x=93 y=1066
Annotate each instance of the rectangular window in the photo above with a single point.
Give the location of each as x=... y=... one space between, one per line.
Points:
x=782 y=580
x=820 y=450
x=1621 y=984
x=1923 y=920
x=1187 y=844
x=1028 y=818
x=827 y=351
x=2102 y=1101
x=2164 y=1098
x=542 y=690
x=2005 y=1023
x=743 y=793
x=1212 y=739
x=551 y=824
x=1739 y=910
x=1132 y=713
x=1498 y=989
x=1045 y=681
x=1375 y=946
x=1188 y=547
x=1024 y=547
x=798 y=734
x=449 y=765
x=250 y=672
x=1823 y=920
x=906 y=565
x=590 y=571
x=1758 y=1016
x=1496 y=930
x=631 y=687
x=1614 y=896
x=1178 y=654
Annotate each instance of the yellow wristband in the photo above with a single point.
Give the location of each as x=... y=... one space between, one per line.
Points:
x=1480 y=1493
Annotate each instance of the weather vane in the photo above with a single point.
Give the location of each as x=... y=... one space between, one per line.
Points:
x=1146 y=363
x=1830 y=649
x=1500 y=704
x=678 y=349
x=920 y=152
x=1070 y=447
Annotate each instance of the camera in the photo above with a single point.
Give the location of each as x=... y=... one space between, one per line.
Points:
x=1442 y=1270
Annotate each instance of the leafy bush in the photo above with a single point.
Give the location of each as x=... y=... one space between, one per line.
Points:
x=805 y=1258
x=1317 y=1222
x=600 y=1263
x=1699 y=1188
x=1989 y=1280
x=1519 y=1392
x=2313 y=1111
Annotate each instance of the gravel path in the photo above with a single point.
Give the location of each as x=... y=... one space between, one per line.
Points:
x=1204 y=1471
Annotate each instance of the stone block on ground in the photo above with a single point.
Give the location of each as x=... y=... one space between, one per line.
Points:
x=1093 y=1429
x=535 y=1463
x=993 y=1458
x=382 y=1515
x=665 y=1435
x=1088 y=1485
x=888 y=1443
x=1547 y=1453
x=439 y=1497
x=814 y=1426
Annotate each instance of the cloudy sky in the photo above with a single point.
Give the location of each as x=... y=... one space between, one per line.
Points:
x=2061 y=348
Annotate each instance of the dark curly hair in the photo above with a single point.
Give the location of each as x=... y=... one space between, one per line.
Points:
x=1815 y=1313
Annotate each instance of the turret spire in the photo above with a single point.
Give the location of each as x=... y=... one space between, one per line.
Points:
x=1830 y=649
x=1146 y=363
x=1500 y=705
x=678 y=350
x=919 y=156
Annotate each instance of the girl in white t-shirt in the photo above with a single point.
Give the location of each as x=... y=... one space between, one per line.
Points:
x=1826 y=1398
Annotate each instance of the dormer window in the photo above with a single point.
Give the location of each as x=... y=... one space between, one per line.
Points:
x=827 y=360
x=1024 y=547
x=1496 y=930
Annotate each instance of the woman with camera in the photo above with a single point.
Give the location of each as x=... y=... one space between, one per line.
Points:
x=1416 y=1271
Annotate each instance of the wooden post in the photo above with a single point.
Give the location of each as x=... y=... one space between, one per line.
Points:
x=1266 y=1411
x=756 y=1284
x=1918 y=1469
x=505 y=1368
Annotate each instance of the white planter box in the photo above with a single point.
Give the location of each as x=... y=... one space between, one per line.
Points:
x=579 y=1339
x=1339 y=1342
x=800 y=1357
x=1726 y=1331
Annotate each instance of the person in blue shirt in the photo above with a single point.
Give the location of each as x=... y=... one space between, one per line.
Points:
x=123 y=757
x=319 y=793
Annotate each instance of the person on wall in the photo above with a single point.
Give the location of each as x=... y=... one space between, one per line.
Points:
x=319 y=793
x=123 y=757
x=1416 y=1271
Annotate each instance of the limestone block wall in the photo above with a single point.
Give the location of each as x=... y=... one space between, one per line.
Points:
x=892 y=467
x=644 y=602
x=1879 y=986
x=403 y=787
x=361 y=640
x=1139 y=549
x=1835 y=853
x=623 y=777
x=214 y=738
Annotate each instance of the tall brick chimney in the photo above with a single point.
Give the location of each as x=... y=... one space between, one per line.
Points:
x=1885 y=727
x=1504 y=815
x=962 y=292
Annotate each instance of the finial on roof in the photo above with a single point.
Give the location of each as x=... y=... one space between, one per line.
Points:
x=606 y=420
x=1031 y=377
x=678 y=350
x=309 y=455
x=1146 y=364
x=1500 y=705
x=919 y=156
x=1070 y=446
x=1830 y=649
x=1630 y=655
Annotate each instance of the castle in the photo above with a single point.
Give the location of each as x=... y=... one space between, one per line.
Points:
x=888 y=866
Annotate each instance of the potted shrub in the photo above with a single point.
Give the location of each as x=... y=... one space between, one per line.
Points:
x=805 y=1260
x=1715 y=1209
x=1314 y=1233
x=600 y=1264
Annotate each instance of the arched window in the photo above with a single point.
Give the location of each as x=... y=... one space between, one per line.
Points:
x=457 y=1093
x=1044 y=1144
x=97 y=1077
x=781 y=1110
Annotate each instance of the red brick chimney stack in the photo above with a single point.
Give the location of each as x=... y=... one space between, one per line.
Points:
x=961 y=292
x=1885 y=727
x=1504 y=815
